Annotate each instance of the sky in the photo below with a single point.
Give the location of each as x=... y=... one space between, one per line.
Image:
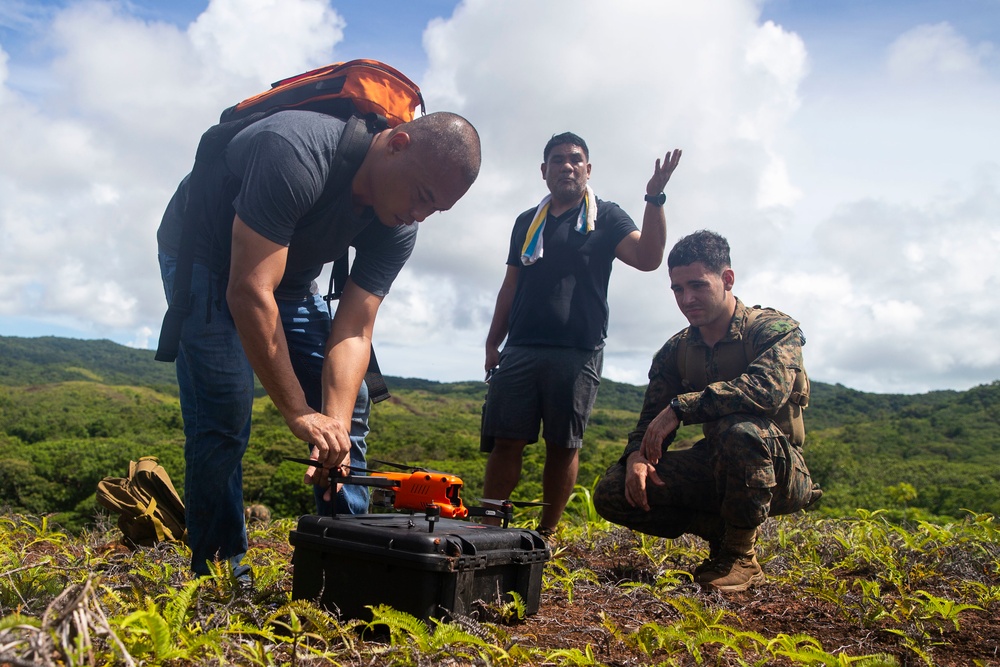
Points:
x=847 y=149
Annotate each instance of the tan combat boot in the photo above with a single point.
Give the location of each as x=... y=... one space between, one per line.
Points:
x=711 y=528
x=736 y=567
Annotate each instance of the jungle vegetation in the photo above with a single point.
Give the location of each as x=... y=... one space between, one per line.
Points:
x=73 y=412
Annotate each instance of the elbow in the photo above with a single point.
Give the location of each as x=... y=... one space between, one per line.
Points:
x=237 y=295
x=649 y=263
x=242 y=297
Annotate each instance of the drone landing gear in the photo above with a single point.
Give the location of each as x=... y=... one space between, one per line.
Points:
x=505 y=513
x=432 y=513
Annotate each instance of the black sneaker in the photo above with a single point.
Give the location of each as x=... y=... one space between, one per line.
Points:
x=243 y=579
x=549 y=535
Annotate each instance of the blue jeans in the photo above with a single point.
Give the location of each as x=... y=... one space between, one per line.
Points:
x=216 y=386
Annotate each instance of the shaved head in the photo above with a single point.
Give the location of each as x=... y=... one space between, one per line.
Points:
x=447 y=140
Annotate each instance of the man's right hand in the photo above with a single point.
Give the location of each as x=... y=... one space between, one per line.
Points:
x=330 y=441
x=637 y=470
x=658 y=430
x=492 y=358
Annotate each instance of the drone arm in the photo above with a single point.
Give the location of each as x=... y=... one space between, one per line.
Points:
x=369 y=480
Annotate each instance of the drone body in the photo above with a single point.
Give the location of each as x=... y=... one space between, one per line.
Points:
x=416 y=491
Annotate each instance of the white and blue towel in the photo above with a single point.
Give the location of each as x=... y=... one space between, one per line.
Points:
x=533 y=248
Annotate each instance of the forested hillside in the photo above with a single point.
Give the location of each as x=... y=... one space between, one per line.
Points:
x=74 y=411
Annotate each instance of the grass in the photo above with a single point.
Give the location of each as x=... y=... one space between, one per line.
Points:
x=855 y=591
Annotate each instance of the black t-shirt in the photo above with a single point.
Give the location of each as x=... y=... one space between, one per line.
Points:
x=562 y=299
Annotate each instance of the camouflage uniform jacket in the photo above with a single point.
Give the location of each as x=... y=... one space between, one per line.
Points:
x=763 y=388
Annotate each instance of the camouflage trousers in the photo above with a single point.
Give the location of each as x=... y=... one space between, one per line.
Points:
x=743 y=471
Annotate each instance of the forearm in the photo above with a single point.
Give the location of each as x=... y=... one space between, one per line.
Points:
x=348 y=351
x=662 y=388
x=499 y=326
x=258 y=322
x=343 y=371
x=645 y=250
x=652 y=238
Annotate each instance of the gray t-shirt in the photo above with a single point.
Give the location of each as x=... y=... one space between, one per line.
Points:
x=274 y=174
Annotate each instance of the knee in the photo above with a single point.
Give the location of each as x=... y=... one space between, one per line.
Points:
x=745 y=438
x=505 y=448
x=560 y=455
x=609 y=495
x=740 y=427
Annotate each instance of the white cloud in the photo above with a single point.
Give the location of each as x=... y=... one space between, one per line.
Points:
x=256 y=38
x=866 y=209
x=90 y=159
x=3 y=71
x=930 y=50
x=901 y=295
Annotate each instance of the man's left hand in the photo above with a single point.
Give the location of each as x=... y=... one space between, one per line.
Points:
x=662 y=172
x=323 y=477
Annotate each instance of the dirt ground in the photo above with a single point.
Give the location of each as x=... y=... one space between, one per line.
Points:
x=770 y=609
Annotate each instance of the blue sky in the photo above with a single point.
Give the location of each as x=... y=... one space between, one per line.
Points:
x=847 y=149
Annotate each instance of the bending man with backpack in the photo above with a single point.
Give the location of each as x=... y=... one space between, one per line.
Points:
x=280 y=207
x=737 y=371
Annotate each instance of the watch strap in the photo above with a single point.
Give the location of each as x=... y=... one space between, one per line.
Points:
x=657 y=199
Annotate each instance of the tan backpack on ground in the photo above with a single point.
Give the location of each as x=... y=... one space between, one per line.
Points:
x=149 y=508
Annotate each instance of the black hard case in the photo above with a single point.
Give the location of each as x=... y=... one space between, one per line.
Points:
x=350 y=561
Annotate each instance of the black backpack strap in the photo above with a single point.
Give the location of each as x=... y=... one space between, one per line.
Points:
x=210 y=148
x=377 y=389
x=354 y=144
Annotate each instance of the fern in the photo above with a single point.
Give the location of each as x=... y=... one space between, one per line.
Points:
x=166 y=634
x=406 y=630
x=572 y=656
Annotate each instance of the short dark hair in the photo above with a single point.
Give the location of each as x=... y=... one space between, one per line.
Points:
x=565 y=138
x=703 y=246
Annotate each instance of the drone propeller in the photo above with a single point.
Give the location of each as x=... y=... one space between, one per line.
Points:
x=515 y=503
x=397 y=466
x=400 y=466
x=316 y=464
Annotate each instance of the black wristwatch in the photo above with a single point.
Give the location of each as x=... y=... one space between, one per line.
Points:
x=658 y=200
x=675 y=405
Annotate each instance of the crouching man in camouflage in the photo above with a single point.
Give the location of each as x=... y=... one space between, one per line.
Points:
x=738 y=372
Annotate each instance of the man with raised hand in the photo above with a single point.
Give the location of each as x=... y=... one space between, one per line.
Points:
x=553 y=311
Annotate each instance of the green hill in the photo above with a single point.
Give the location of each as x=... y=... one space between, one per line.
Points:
x=35 y=361
x=73 y=411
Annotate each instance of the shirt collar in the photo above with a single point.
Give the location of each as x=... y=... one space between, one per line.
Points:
x=735 y=325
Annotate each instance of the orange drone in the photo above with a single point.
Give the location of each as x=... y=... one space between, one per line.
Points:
x=420 y=490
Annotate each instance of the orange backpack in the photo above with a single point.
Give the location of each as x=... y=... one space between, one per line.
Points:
x=356 y=87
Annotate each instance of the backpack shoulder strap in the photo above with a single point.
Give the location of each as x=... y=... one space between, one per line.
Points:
x=800 y=385
x=354 y=144
x=691 y=363
x=752 y=315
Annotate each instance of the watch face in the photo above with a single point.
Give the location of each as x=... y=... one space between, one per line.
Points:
x=657 y=199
